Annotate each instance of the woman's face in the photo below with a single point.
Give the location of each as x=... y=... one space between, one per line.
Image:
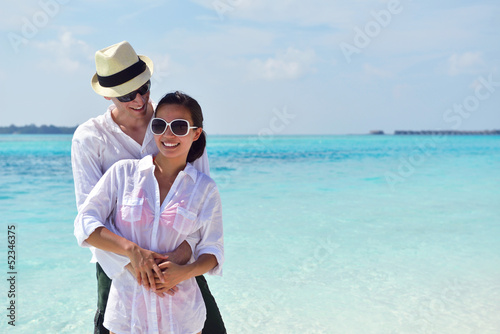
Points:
x=170 y=145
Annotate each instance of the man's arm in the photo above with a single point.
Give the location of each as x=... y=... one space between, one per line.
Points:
x=87 y=172
x=86 y=166
x=181 y=255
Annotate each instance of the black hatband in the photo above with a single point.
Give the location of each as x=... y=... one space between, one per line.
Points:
x=123 y=76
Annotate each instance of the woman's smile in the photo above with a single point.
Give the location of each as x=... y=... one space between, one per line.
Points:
x=170 y=145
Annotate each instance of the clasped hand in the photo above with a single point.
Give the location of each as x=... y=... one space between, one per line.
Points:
x=154 y=271
x=171 y=275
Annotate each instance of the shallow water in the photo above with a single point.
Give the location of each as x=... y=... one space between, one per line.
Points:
x=331 y=234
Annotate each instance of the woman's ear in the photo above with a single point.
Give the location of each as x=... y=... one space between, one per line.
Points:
x=197 y=133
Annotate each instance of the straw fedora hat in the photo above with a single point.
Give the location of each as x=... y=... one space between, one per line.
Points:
x=120 y=70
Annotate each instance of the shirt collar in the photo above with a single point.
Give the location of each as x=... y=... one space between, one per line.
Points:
x=191 y=171
x=146 y=163
x=109 y=119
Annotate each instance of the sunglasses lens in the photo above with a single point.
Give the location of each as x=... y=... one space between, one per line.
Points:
x=158 y=126
x=144 y=88
x=179 y=127
x=131 y=96
x=127 y=98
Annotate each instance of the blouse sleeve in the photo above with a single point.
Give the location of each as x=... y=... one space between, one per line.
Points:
x=211 y=231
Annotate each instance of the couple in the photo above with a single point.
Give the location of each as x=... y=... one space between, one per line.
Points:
x=153 y=224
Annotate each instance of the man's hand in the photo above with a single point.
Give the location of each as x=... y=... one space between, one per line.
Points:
x=160 y=290
x=180 y=255
x=130 y=269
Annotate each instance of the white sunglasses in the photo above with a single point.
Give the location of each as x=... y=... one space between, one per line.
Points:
x=179 y=127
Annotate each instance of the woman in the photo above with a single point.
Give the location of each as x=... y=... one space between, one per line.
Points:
x=145 y=208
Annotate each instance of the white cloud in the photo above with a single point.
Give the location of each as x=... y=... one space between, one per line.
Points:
x=142 y=9
x=305 y=13
x=15 y=13
x=233 y=41
x=162 y=66
x=272 y=43
x=291 y=64
x=466 y=63
x=66 y=53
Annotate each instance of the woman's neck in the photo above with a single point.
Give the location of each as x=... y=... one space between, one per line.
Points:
x=166 y=172
x=169 y=168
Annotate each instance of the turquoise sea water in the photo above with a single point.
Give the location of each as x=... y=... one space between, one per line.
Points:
x=325 y=234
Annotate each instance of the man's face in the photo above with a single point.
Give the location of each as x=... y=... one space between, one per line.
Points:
x=136 y=108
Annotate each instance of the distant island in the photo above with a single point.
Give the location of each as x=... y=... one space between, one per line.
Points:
x=65 y=130
x=439 y=132
x=33 y=129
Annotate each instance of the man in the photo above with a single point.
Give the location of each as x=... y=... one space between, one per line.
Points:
x=122 y=132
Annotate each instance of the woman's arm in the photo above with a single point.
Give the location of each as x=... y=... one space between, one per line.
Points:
x=91 y=228
x=174 y=274
x=211 y=231
x=143 y=261
x=209 y=251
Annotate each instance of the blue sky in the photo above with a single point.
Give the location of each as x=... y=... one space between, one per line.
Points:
x=262 y=67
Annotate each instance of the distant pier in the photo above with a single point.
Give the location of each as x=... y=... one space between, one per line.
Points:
x=439 y=132
x=447 y=132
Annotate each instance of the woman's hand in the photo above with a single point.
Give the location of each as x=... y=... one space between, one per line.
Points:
x=172 y=275
x=144 y=263
x=161 y=289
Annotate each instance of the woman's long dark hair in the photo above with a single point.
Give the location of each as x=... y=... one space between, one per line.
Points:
x=179 y=98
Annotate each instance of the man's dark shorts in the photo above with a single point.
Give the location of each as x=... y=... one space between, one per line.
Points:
x=213 y=325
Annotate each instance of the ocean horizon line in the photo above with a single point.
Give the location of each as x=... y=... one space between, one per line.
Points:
x=33 y=129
